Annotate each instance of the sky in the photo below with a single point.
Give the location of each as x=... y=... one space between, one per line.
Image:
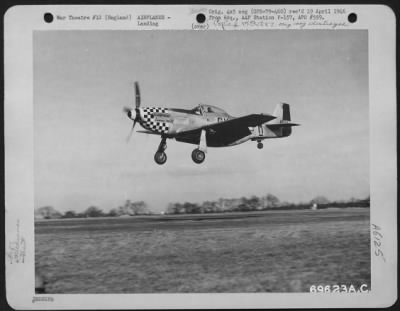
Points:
x=83 y=79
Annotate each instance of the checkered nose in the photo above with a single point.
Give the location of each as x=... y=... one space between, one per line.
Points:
x=155 y=119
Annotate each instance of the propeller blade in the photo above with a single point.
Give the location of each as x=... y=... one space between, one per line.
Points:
x=130 y=133
x=137 y=94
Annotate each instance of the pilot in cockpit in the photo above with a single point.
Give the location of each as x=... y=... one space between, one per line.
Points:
x=198 y=110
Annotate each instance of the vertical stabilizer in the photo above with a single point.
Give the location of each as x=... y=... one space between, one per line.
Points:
x=282 y=112
x=281 y=126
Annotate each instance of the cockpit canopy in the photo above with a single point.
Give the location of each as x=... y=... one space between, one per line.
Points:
x=200 y=109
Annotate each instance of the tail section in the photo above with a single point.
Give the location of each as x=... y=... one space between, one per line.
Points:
x=282 y=125
x=282 y=112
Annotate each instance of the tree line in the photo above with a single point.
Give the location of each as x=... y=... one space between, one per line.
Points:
x=128 y=209
x=255 y=203
x=243 y=204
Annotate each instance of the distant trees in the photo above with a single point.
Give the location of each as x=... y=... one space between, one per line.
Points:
x=272 y=201
x=132 y=208
x=319 y=200
x=224 y=205
x=353 y=202
x=255 y=203
x=243 y=204
x=113 y=212
x=93 y=211
x=69 y=214
x=47 y=212
x=128 y=209
x=184 y=208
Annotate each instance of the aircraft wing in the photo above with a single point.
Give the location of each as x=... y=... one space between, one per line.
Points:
x=148 y=132
x=251 y=120
x=234 y=128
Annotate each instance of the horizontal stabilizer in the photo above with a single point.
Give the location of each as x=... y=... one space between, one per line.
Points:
x=281 y=125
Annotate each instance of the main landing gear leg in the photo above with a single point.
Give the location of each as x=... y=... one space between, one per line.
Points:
x=198 y=155
x=160 y=157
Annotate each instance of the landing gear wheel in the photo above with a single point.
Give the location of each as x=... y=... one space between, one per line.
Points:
x=160 y=157
x=198 y=156
x=260 y=145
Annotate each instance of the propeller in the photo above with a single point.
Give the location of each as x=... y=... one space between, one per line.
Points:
x=133 y=114
x=137 y=94
x=128 y=138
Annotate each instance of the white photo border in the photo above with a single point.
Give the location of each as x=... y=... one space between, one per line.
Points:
x=21 y=21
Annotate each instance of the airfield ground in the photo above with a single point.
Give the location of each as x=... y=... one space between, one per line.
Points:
x=274 y=251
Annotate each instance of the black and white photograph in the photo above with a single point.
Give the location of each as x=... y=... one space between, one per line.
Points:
x=202 y=162
x=273 y=208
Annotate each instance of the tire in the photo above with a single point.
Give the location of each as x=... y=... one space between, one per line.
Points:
x=198 y=156
x=260 y=145
x=160 y=157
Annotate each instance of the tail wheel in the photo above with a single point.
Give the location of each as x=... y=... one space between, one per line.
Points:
x=198 y=156
x=260 y=145
x=160 y=157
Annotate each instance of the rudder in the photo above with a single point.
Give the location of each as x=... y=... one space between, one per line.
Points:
x=282 y=112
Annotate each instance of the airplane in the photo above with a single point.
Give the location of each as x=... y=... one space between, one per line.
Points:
x=207 y=126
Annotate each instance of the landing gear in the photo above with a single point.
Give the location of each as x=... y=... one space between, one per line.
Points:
x=260 y=145
x=198 y=156
x=161 y=157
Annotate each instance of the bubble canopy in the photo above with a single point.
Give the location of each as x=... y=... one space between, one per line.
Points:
x=208 y=109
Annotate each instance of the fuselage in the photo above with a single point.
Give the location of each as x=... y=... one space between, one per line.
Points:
x=169 y=122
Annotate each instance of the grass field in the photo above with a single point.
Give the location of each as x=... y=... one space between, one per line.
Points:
x=277 y=251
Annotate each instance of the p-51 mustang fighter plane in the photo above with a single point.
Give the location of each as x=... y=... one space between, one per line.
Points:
x=207 y=126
